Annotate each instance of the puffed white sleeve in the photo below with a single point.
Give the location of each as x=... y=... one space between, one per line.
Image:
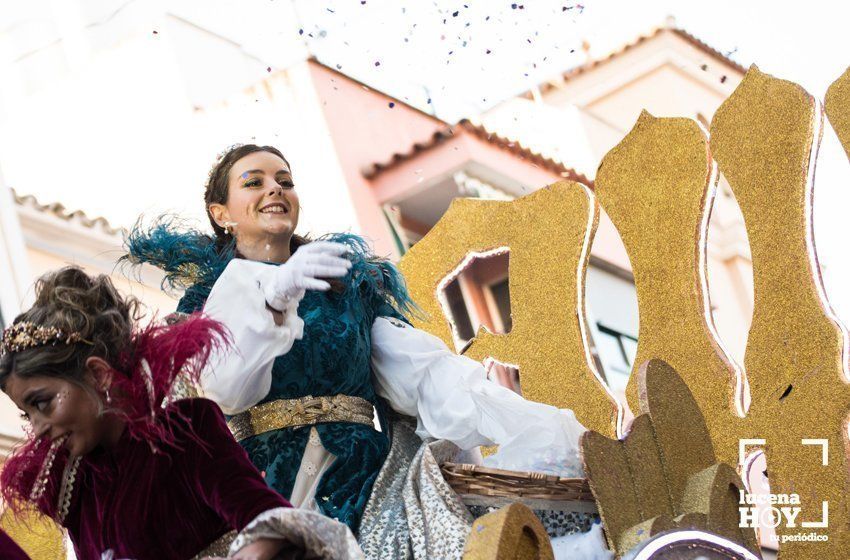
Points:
x=452 y=399
x=238 y=376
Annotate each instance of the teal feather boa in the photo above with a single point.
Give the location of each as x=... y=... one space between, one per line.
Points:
x=192 y=261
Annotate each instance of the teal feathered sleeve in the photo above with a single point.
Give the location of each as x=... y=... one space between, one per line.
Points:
x=379 y=282
x=192 y=261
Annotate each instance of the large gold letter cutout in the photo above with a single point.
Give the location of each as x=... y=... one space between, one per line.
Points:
x=837 y=107
x=657 y=186
x=549 y=234
x=765 y=138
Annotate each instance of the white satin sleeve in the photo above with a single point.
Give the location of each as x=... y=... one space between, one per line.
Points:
x=452 y=399
x=239 y=376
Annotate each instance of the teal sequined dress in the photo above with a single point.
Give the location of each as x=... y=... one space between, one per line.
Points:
x=332 y=358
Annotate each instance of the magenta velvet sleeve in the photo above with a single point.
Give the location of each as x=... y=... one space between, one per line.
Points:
x=225 y=477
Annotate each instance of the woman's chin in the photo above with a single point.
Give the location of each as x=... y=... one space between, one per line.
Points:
x=77 y=447
x=275 y=220
x=278 y=228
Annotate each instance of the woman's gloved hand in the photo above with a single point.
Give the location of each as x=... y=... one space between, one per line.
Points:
x=303 y=270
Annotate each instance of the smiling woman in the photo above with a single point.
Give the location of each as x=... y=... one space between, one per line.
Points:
x=125 y=474
x=321 y=347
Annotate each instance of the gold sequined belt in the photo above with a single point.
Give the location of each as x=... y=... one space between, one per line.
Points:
x=306 y=411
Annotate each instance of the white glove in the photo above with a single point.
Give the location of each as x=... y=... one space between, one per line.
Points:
x=302 y=271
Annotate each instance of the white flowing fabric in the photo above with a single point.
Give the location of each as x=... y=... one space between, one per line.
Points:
x=452 y=399
x=449 y=395
x=240 y=376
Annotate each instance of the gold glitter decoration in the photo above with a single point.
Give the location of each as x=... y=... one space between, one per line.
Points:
x=548 y=233
x=304 y=411
x=837 y=107
x=764 y=138
x=37 y=535
x=657 y=185
x=510 y=533
x=664 y=474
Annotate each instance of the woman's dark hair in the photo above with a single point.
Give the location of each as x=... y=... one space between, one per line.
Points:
x=216 y=191
x=74 y=302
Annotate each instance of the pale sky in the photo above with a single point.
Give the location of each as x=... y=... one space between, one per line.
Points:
x=802 y=42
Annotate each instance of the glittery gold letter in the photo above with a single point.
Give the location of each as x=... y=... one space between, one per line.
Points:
x=837 y=106
x=548 y=233
x=657 y=186
x=764 y=138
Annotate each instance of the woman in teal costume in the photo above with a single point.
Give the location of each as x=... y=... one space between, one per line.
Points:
x=333 y=355
x=342 y=341
x=331 y=358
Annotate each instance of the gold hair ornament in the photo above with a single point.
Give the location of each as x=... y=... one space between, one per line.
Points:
x=24 y=335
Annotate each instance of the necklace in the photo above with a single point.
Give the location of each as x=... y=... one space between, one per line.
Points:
x=69 y=476
x=44 y=473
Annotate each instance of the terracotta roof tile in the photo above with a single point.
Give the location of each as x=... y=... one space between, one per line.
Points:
x=57 y=209
x=465 y=126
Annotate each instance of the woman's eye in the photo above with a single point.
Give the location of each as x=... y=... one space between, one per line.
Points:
x=254 y=183
x=41 y=406
x=25 y=416
x=286 y=183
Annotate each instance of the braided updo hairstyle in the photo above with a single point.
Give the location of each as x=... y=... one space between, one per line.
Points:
x=216 y=191
x=72 y=301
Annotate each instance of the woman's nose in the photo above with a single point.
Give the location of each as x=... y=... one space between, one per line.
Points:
x=274 y=188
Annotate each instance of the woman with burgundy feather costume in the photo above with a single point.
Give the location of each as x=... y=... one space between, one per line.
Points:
x=127 y=476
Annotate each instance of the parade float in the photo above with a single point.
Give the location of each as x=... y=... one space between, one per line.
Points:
x=671 y=483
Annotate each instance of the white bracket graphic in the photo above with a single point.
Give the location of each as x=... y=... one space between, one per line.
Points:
x=824 y=452
x=824 y=520
x=742 y=448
